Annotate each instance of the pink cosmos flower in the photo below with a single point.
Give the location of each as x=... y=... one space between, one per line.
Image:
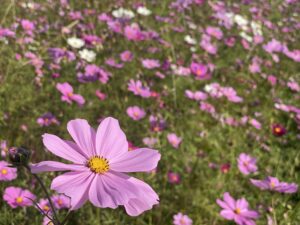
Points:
x=246 y=164
x=100 y=160
x=199 y=70
x=174 y=140
x=7 y=173
x=273 y=184
x=135 y=112
x=3 y=148
x=100 y=95
x=44 y=205
x=237 y=210
x=47 y=119
x=174 y=178
x=150 y=63
x=214 y=32
x=180 y=219
x=255 y=123
x=27 y=25
x=60 y=201
x=134 y=33
x=150 y=141
x=15 y=197
x=68 y=95
x=138 y=89
x=126 y=56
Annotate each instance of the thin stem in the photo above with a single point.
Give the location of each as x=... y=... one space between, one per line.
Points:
x=56 y=221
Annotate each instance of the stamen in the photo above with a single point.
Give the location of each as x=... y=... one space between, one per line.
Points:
x=98 y=164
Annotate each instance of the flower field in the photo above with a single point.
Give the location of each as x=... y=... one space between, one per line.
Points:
x=150 y=112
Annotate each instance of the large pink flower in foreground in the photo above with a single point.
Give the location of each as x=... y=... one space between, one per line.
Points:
x=100 y=162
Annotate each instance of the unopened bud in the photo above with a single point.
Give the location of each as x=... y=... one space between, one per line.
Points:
x=19 y=156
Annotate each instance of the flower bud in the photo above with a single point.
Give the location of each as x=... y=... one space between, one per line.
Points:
x=19 y=156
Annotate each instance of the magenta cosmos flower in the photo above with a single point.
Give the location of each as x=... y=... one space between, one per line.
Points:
x=237 y=210
x=68 y=94
x=273 y=184
x=180 y=219
x=15 y=197
x=246 y=164
x=100 y=160
x=7 y=173
x=135 y=112
x=61 y=201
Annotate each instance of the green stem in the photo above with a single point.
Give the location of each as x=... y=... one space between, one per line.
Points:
x=55 y=219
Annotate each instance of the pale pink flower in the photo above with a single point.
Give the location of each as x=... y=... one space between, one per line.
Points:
x=174 y=140
x=68 y=94
x=246 y=164
x=100 y=160
x=181 y=219
x=135 y=112
x=61 y=201
x=150 y=63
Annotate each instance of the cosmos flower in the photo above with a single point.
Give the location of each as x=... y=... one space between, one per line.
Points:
x=135 y=112
x=87 y=55
x=7 y=173
x=133 y=32
x=44 y=205
x=16 y=196
x=174 y=140
x=246 y=164
x=273 y=184
x=138 y=89
x=47 y=119
x=199 y=70
x=237 y=210
x=214 y=32
x=150 y=63
x=174 y=178
x=3 y=148
x=75 y=42
x=278 y=130
x=68 y=94
x=181 y=219
x=126 y=56
x=143 y=11
x=100 y=162
x=60 y=201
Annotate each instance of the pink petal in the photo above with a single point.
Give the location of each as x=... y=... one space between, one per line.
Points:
x=222 y=204
x=84 y=136
x=78 y=98
x=227 y=214
x=229 y=200
x=139 y=160
x=101 y=195
x=145 y=198
x=242 y=203
x=62 y=149
x=250 y=214
x=110 y=139
x=75 y=185
x=54 y=166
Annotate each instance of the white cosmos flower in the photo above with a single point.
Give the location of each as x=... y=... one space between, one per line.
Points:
x=75 y=42
x=188 y=39
x=123 y=13
x=246 y=36
x=240 y=20
x=87 y=55
x=143 y=11
x=256 y=27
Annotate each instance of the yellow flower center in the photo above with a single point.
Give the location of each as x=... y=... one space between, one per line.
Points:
x=4 y=171
x=277 y=130
x=60 y=202
x=70 y=94
x=46 y=208
x=199 y=72
x=272 y=184
x=98 y=164
x=237 y=210
x=19 y=199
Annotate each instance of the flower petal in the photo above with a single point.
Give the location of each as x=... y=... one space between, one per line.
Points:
x=83 y=135
x=75 y=185
x=145 y=198
x=139 y=160
x=227 y=214
x=62 y=149
x=110 y=139
x=229 y=200
x=51 y=166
